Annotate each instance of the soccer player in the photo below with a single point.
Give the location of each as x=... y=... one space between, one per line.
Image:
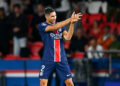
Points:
x=54 y=58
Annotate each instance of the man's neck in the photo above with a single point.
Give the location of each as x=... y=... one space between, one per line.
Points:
x=17 y=14
x=40 y=13
x=49 y=22
x=94 y=47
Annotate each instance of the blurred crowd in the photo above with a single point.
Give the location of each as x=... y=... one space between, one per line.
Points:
x=99 y=28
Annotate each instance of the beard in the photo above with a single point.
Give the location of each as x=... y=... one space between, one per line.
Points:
x=52 y=22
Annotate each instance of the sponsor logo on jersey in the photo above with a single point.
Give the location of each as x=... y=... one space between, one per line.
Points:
x=56 y=34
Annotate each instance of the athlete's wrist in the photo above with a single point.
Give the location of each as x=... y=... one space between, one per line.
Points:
x=72 y=23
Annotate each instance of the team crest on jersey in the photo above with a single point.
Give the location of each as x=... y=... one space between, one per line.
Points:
x=56 y=31
x=60 y=30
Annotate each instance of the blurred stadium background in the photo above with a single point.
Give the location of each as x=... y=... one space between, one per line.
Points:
x=93 y=53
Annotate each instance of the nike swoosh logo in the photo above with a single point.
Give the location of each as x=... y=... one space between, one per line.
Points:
x=68 y=75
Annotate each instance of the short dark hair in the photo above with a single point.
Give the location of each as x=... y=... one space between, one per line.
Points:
x=93 y=38
x=17 y=6
x=48 y=10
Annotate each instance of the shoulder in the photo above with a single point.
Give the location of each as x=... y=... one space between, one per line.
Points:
x=63 y=29
x=23 y=16
x=99 y=47
x=89 y=48
x=43 y=24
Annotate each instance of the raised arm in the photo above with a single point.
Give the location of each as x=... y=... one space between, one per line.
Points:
x=74 y=18
x=58 y=25
x=68 y=35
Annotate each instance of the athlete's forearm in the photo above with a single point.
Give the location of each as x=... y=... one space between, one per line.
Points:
x=58 y=25
x=70 y=32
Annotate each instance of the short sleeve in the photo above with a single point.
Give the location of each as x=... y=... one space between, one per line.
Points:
x=42 y=27
x=63 y=29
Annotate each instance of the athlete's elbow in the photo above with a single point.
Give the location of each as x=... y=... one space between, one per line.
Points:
x=52 y=28
x=68 y=38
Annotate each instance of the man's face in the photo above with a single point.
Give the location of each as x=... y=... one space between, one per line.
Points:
x=40 y=8
x=79 y=33
x=106 y=31
x=16 y=10
x=93 y=42
x=51 y=17
x=113 y=38
x=95 y=24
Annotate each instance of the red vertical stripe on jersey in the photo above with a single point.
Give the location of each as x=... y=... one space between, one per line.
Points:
x=57 y=50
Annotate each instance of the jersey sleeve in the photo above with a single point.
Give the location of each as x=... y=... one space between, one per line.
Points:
x=63 y=29
x=42 y=27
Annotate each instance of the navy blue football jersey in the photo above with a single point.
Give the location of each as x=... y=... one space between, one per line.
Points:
x=53 y=44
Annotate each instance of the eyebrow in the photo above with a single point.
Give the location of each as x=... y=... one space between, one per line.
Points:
x=53 y=16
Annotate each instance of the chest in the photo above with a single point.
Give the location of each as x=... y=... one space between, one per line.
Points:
x=57 y=34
